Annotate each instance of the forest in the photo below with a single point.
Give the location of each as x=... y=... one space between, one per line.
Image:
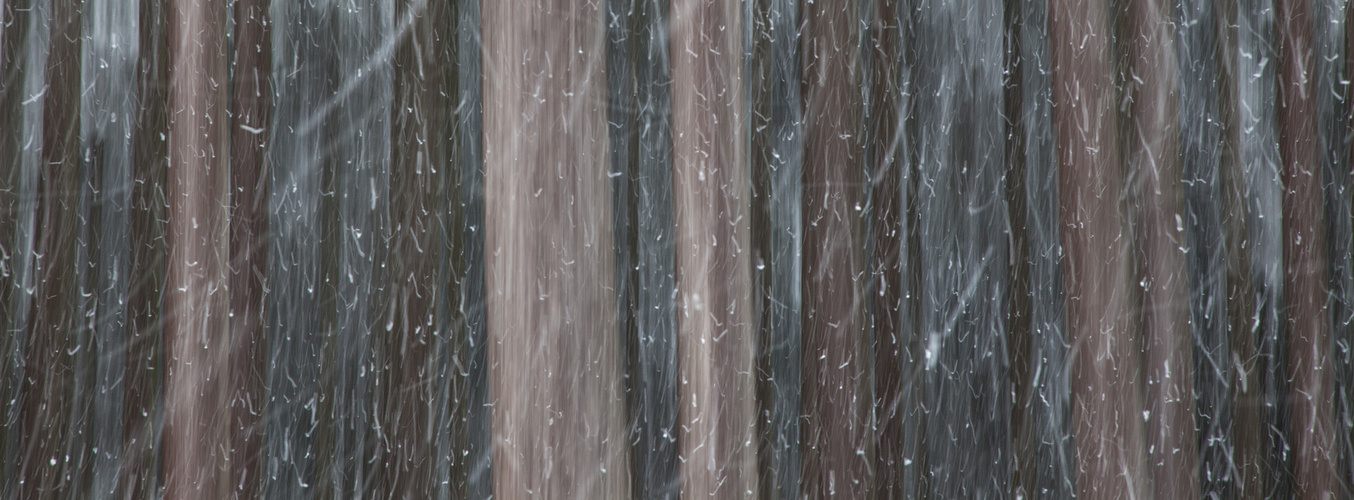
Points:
x=293 y=249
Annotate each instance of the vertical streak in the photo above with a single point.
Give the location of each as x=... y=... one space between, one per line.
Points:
x=911 y=346
x=711 y=200
x=451 y=405
x=420 y=118
x=1153 y=160
x=621 y=139
x=1305 y=277
x=963 y=219
x=1331 y=80
x=558 y=412
x=54 y=315
x=893 y=328
x=1201 y=149
x=1024 y=466
x=142 y=415
x=1051 y=428
x=655 y=244
x=1105 y=390
x=776 y=119
x=197 y=243
x=1201 y=128
x=1261 y=163
x=1344 y=339
x=639 y=76
x=295 y=169
x=251 y=114
x=837 y=396
x=1247 y=456
x=21 y=78
x=110 y=65
x=368 y=395
x=470 y=260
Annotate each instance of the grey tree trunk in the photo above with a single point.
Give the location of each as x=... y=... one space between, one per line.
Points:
x=964 y=248
x=776 y=153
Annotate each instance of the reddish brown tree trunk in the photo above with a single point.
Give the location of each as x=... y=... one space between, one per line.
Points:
x=197 y=340
x=554 y=361
x=836 y=358
x=1305 y=284
x=1154 y=163
x=250 y=115
x=1107 y=405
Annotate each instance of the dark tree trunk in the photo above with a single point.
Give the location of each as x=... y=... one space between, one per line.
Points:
x=836 y=355
x=50 y=428
x=251 y=120
x=19 y=124
x=890 y=156
x=964 y=260
x=466 y=198
x=1205 y=203
x=109 y=58
x=142 y=416
x=638 y=78
x=1047 y=426
x=1247 y=474
x=421 y=119
x=1305 y=272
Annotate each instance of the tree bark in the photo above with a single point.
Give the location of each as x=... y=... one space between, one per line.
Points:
x=558 y=411
x=1106 y=394
x=711 y=199
x=251 y=114
x=1305 y=272
x=197 y=382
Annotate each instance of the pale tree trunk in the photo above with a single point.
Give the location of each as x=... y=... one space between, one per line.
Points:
x=715 y=333
x=554 y=362
x=197 y=337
